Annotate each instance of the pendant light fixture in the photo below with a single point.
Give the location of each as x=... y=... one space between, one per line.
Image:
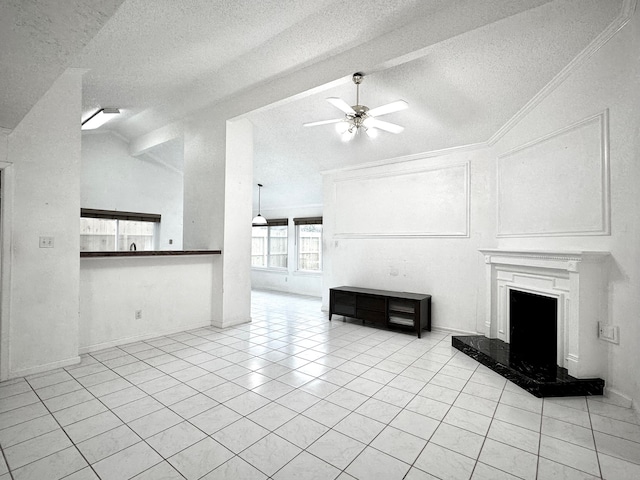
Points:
x=259 y=220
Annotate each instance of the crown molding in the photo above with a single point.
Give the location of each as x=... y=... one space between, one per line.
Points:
x=408 y=158
x=294 y=207
x=626 y=12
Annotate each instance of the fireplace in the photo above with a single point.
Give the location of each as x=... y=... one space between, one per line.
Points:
x=542 y=312
x=532 y=332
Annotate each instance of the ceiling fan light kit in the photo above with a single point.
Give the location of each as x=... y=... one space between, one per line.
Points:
x=359 y=117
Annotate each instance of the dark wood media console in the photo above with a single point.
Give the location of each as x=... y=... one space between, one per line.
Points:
x=383 y=307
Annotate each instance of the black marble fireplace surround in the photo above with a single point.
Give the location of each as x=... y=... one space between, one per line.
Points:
x=530 y=360
x=537 y=380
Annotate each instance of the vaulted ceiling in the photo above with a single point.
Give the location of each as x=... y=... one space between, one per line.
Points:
x=465 y=67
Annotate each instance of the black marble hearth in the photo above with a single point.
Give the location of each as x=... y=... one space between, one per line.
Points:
x=537 y=380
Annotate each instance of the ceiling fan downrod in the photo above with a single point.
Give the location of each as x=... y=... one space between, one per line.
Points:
x=357 y=79
x=360 y=111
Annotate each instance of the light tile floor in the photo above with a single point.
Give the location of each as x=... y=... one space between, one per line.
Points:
x=294 y=396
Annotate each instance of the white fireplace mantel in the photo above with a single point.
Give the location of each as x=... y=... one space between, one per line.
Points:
x=577 y=279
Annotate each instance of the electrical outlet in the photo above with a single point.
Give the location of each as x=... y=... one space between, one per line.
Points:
x=138 y=314
x=609 y=333
x=46 y=242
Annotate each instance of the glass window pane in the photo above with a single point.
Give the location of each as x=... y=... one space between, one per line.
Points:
x=97 y=234
x=278 y=246
x=259 y=246
x=135 y=234
x=310 y=247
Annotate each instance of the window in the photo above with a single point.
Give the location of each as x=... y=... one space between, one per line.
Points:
x=269 y=245
x=309 y=243
x=104 y=230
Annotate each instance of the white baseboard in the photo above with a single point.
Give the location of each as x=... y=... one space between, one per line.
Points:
x=454 y=331
x=618 y=398
x=138 y=338
x=232 y=324
x=43 y=368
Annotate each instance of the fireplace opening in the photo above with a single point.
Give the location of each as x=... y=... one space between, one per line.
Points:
x=532 y=332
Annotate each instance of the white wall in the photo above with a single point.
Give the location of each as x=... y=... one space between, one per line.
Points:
x=114 y=180
x=289 y=280
x=174 y=294
x=607 y=81
x=218 y=163
x=236 y=291
x=406 y=247
x=4 y=145
x=571 y=212
x=44 y=150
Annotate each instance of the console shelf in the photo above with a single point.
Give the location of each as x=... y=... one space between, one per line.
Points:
x=385 y=308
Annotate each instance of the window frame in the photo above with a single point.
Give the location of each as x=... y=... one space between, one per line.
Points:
x=125 y=216
x=308 y=221
x=280 y=222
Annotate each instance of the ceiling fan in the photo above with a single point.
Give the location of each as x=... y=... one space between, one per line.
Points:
x=360 y=116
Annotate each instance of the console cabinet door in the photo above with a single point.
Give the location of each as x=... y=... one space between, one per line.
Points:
x=344 y=303
x=367 y=302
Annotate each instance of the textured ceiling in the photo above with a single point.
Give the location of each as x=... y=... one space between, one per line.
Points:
x=161 y=60
x=38 y=41
x=465 y=67
x=460 y=92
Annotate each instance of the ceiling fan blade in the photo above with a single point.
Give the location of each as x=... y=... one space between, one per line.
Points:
x=386 y=126
x=341 y=105
x=322 y=122
x=388 y=108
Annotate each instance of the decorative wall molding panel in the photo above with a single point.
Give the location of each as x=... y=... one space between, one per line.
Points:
x=557 y=185
x=576 y=279
x=434 y=203
x=626 y=13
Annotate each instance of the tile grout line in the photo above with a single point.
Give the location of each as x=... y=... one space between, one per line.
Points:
x=65 y=432
x=167 y=406
x=444 y=416
x=412 y=465
x=299 y=388
x=111 y=411
x=487 y=434
x=142 y=440
x=291 y=336
x=145 y=440
x=540 y=440
x=595 y=445
x=386 y=424
x=6 y=463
